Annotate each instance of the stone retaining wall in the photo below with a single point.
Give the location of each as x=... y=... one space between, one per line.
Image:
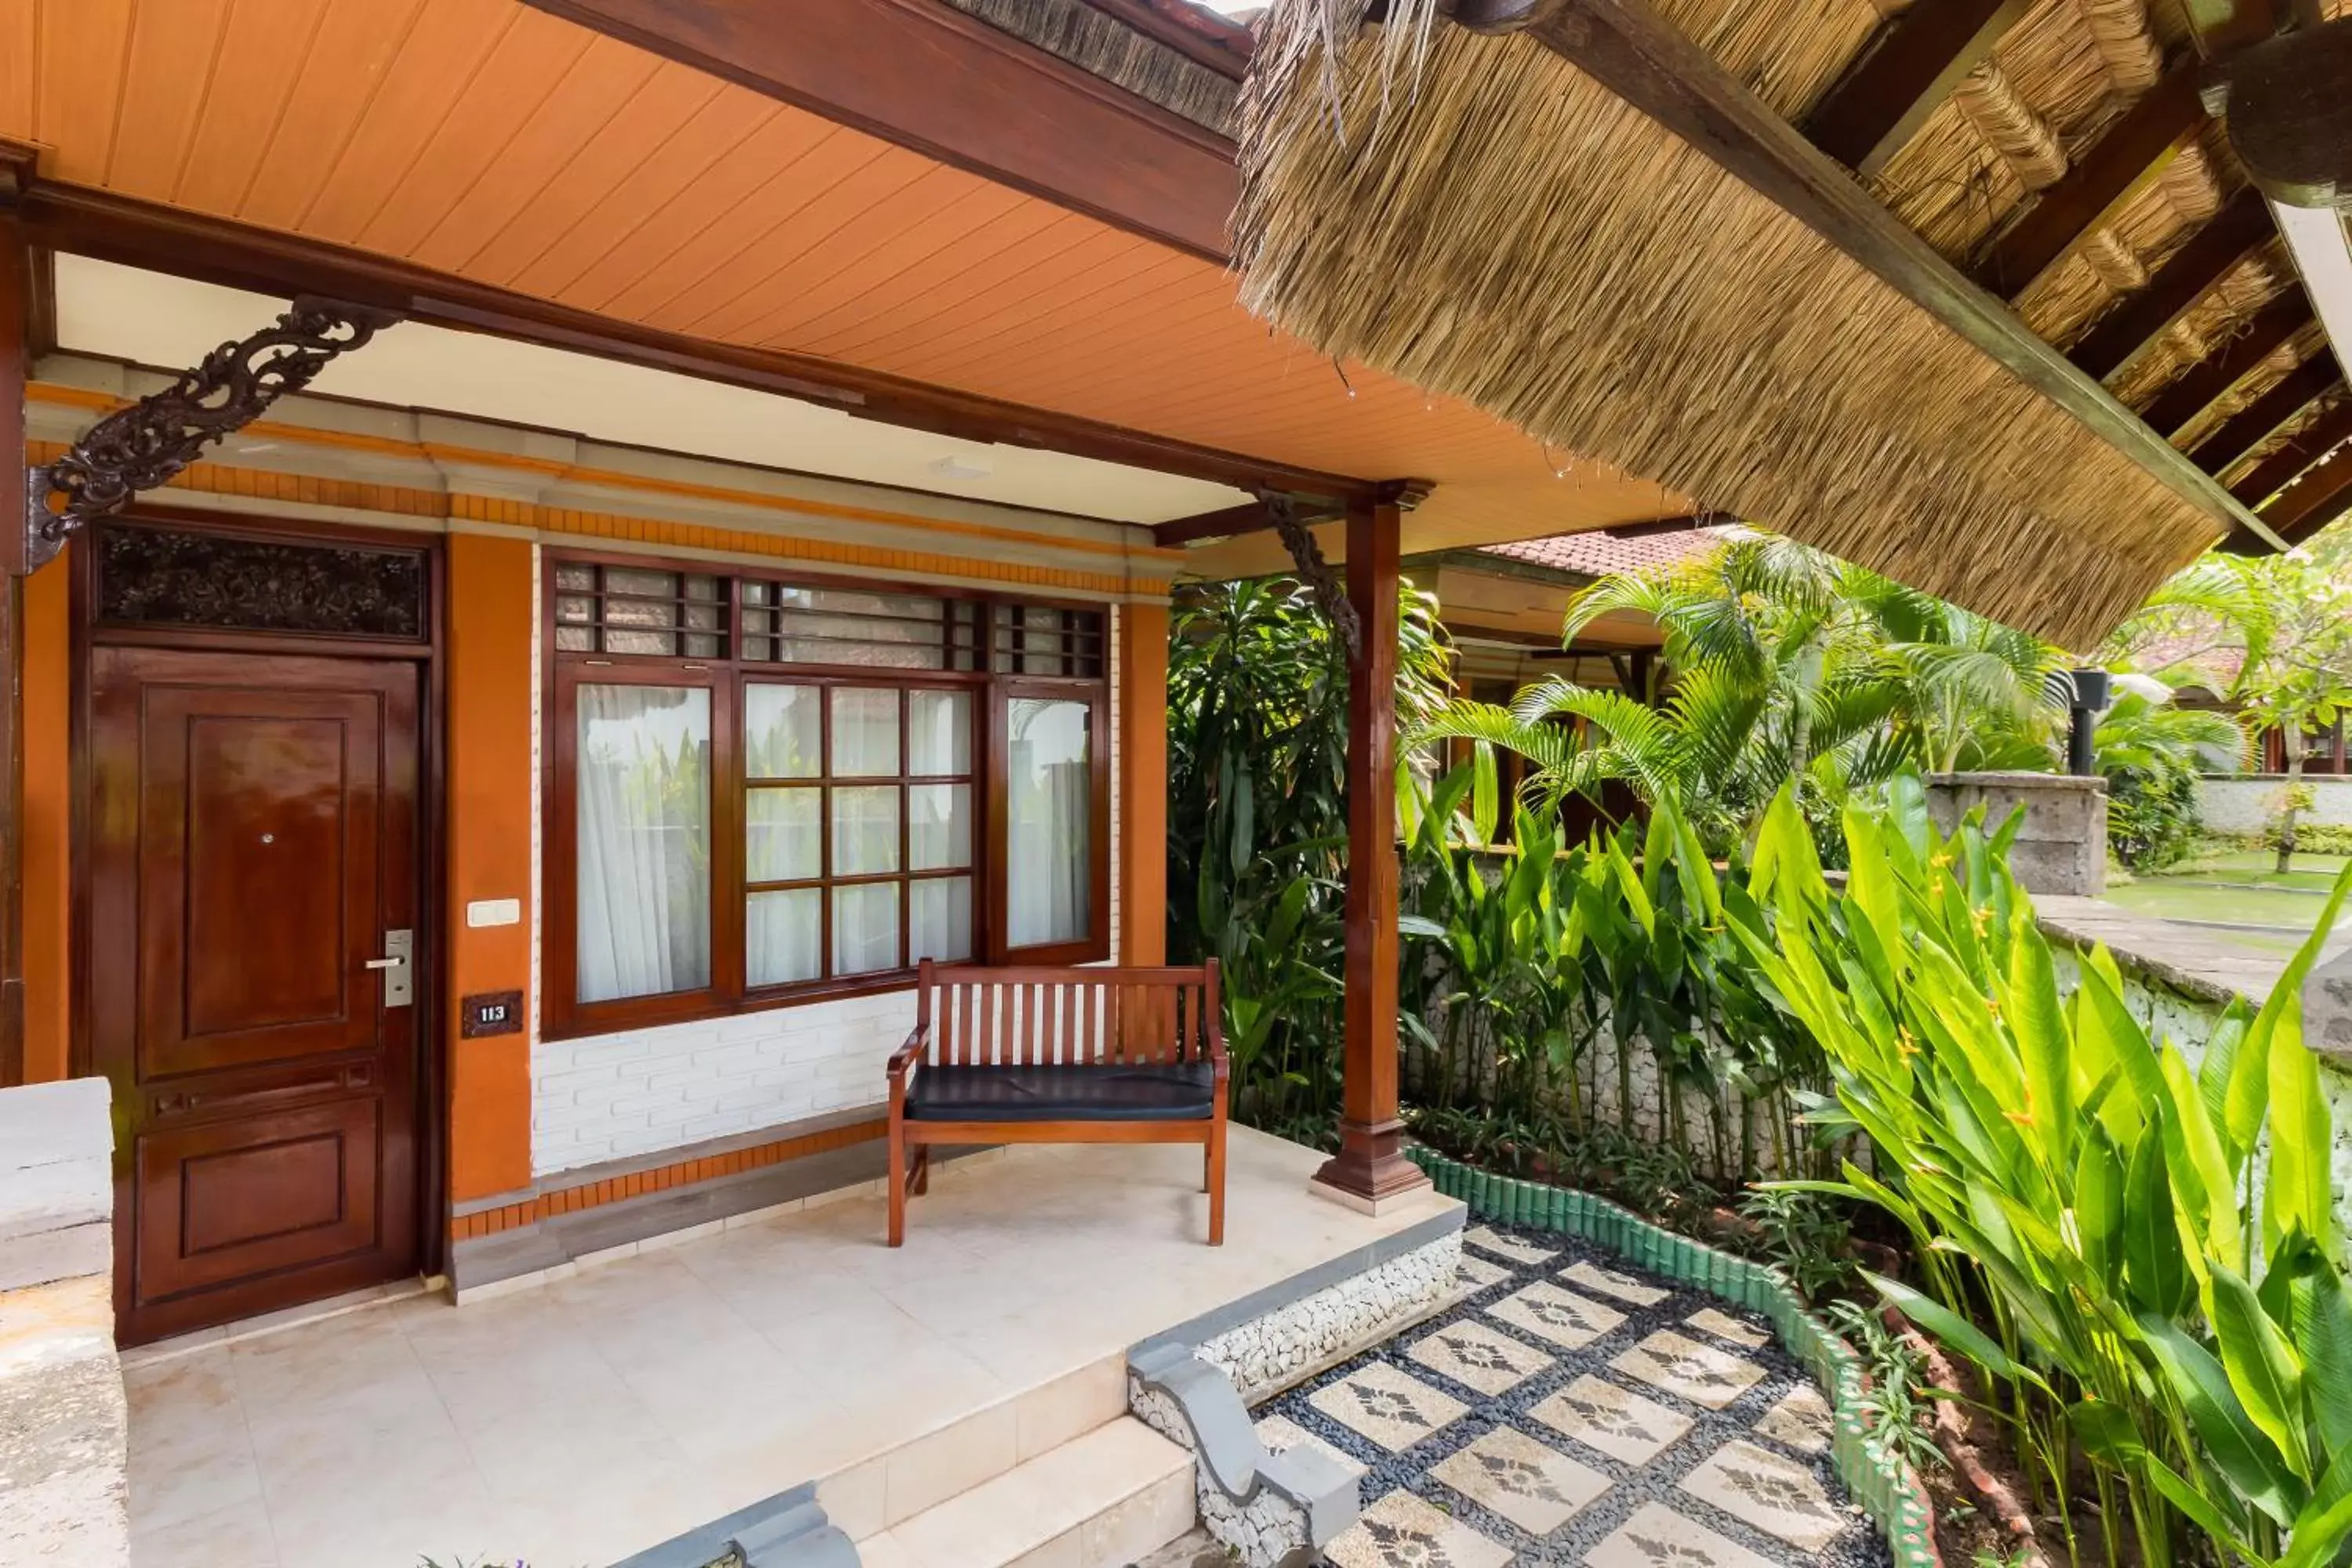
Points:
x=64 y=1428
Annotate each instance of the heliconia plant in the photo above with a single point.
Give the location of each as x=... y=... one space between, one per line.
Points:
x=2139 y=1251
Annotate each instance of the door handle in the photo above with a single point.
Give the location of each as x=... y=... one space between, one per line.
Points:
x=399 y=975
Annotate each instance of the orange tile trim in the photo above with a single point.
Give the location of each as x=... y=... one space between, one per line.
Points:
x=686 y=1172
x=106 y=403
x=268 y=485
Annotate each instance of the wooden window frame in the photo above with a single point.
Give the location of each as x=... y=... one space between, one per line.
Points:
x=729 y=678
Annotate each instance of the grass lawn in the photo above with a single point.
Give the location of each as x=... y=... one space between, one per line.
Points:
x=2238 y=888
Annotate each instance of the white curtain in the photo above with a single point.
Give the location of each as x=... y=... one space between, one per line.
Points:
x=1049 y=860
x=643 y=777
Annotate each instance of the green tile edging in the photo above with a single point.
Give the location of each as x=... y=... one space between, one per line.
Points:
x=1887 y=1488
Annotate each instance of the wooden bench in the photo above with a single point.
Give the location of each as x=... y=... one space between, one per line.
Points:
x=1059 y=1056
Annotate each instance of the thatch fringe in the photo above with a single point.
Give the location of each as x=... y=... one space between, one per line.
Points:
x=2242 y=290
x=2275 y=368
x=1787 y=52
x=1514 y=236
x=1109 y=48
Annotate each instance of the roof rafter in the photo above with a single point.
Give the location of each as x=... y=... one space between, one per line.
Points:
x=1911 y=66
x=2322 y=495
x=2118 y=167
x=950 y=87
x=2307 y=447
x=2241 y=228
x=2248 y=428
x=2202 y=385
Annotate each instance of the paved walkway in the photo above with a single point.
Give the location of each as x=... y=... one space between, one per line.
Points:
x=1572 y=1411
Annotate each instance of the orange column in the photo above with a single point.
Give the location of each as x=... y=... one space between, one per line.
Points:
x=48 y=822
x=1143 y=785
x=490 y=780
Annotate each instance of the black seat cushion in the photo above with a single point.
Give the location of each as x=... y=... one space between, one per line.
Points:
x=1124 y=1091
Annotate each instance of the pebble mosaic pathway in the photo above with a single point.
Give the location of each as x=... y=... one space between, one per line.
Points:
x=1568 y=1410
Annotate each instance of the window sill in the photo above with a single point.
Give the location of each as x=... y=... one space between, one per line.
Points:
x=660 y=1011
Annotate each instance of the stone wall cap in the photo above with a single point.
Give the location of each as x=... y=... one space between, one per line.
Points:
x=2017 y=780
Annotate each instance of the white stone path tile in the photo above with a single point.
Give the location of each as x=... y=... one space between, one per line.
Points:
x=1655 y=1536
x=1618 y=1285
x=1401 y=1531
x=1280 y=1432
x=1724 y=1326
x=1606 y=1417
x=1476 y=1273
x=1390 y=1407
x=1776 y=1495
x=1532 y=1486
x=1801 y=1421
x=1563 y=1317
x=1477 y=1356
x=1700 y=1373
x=1486 y=1239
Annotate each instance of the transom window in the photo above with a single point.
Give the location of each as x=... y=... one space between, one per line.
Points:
x=765 y=791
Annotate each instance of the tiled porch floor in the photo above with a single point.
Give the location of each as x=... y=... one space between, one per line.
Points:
x=576 y=1422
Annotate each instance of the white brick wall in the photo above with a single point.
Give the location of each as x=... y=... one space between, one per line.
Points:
x=610 y=1097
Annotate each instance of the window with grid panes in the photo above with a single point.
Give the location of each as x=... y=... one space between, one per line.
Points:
x=770 y=789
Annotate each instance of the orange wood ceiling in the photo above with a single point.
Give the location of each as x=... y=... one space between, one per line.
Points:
x=495 y=141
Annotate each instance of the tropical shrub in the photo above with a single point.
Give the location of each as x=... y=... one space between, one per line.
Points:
x=1257 y=825
x=1538 y=977
x=2139 y=1252
x=2150 y=754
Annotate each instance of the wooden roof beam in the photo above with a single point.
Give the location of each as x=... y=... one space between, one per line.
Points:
x=185 y=243
x=2118 y=167
x=2241 y=228
x=1250 y=517
x=930 y=77
x=1636 y=54
x=2248 y=428
x=2312 y=443
x=1912 y=65
x=2322 y=495
x=2264 y=333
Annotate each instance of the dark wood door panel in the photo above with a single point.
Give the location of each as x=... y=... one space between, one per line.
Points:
x=260 y=813
x=229 y=1201
x=253 y=839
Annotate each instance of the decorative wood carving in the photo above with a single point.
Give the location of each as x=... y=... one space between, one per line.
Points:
x=1313 y=570
x=167 y=577
x=143 y=446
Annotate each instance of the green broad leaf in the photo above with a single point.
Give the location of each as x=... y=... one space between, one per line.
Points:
x=2279 y=1025
x=1486 y=804
x=2105 y=1432
x=2238 y=1446
x=2039 y=1023
x=2204 y=1185
x=2198 y=1509
x=2298 y=1189
x=1410 y=925
x=1657 y=847
x=2262 y=1367
x=2320 y=1308
x=2105 y=1015
x=2153 y=1271
x=2320 y=1531
x=2099 y=1204
x=1637 y=897
x=1955 y=1332
x=2220 y=1057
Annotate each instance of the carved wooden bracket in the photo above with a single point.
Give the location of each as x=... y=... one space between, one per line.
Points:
x=1313 y=570
x=141 y=446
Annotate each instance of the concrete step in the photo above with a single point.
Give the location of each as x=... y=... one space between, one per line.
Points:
x=1099 y=1501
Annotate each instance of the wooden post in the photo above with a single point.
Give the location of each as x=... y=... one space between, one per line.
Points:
x=1371 y=1167
x=16 y=311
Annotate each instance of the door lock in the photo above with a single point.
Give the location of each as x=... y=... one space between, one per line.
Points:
x=399 y=971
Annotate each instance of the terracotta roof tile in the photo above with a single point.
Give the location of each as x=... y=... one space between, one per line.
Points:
x=1599 y=553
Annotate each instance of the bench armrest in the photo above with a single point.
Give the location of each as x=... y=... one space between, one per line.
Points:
x=910 y=1053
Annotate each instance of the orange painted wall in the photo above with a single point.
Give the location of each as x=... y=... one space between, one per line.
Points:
x=490 y=782
x=1143 y=784
x=49 y=815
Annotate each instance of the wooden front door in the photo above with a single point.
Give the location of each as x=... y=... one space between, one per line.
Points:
x=254 y=858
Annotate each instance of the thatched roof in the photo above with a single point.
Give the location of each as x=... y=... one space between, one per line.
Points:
x=1477 y=215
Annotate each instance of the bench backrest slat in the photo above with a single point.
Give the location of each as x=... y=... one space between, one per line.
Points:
x=1037 y=1016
